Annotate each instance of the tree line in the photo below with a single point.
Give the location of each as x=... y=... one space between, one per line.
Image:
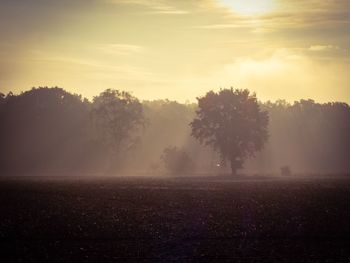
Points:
x=50 y=130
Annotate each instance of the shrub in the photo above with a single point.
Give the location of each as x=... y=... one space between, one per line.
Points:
x=176 y=161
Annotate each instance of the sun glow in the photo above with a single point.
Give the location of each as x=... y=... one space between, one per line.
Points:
x=249 y=7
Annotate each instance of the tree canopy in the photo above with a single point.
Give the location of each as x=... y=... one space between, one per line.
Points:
x=43 y=128
x=231 y=122
x=117 y=115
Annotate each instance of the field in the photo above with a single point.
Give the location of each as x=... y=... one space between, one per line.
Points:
x=134 y=219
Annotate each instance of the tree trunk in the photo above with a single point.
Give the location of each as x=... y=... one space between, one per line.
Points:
x=233 y=167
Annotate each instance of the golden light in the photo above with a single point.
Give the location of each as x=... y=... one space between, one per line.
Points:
x=249 y=7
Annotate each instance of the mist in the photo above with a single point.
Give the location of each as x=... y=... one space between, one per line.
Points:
x=48 y=131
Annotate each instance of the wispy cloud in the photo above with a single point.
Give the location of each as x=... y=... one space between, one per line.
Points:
x=323 y=48
x=222 y=26
x=120 y=49
x=156 y=6
x=90 y=65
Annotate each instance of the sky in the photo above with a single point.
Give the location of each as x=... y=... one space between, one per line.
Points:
x=178 y=49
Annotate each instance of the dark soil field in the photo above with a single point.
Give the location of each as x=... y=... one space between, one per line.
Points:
x=133 y=219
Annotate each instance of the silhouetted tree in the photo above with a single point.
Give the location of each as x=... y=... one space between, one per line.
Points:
x=43 y=129
x=2 y=99
x=310 y=137
x=231 y=122
x=176 y=161
x=118 y=116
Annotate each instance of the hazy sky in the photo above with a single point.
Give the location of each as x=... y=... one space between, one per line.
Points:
x=172 y=49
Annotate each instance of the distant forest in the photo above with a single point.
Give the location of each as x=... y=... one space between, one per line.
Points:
x=48 y=130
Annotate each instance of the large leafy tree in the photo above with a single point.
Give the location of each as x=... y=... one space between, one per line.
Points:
x=231 y=122
x=118 y=116
x=43 y=129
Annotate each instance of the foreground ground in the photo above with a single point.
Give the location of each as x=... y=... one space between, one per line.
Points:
x=60 y=219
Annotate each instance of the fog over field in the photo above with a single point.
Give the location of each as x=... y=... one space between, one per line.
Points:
x=52 y=131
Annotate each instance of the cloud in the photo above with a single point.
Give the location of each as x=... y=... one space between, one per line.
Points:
x=323 y=48
x=120 y=49
x=232 y=22
x=157 y=6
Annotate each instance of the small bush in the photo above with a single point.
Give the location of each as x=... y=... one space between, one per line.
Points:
x=285 y=171
x=176 y=161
